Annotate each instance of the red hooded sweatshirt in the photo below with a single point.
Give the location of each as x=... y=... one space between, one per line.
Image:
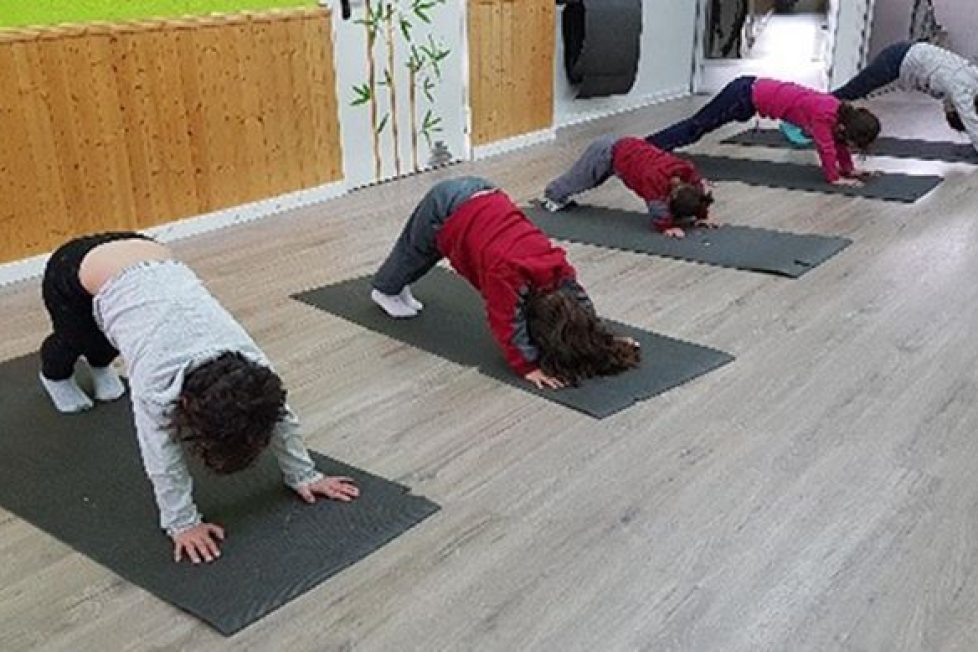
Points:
x=494 y=246
x=648 y=171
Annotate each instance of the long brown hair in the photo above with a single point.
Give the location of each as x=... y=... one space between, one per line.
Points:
x=574 y=343
x=857 y=125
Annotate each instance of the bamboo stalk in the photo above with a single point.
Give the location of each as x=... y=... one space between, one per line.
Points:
x=413 y=99
x=372 y=81
x=392 y=88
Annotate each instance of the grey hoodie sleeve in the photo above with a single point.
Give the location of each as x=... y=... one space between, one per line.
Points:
x=293 y=458
x=166 y=468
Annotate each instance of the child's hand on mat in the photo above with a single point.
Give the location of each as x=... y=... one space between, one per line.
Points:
x=708 y=223
x=199 y=543
x=674 y=232
x=335 y=487
x=843 y=181
x=864 y=174
x=543 y=381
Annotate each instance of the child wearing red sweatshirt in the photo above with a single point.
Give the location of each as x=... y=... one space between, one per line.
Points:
x=541 y=318
x=833 y=125
x=671 y=187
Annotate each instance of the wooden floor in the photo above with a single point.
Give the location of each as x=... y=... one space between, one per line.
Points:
x=817 y=494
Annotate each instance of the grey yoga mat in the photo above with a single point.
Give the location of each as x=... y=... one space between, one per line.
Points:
x=921 y=150
x=453 y=326
x=79 y=478
x=740 y=247
x=889 y=186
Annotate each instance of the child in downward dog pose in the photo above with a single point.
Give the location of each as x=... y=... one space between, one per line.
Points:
x=671 y=187
x=834 y=126
x=196 y=375
x=923 y=67
x=538 y=314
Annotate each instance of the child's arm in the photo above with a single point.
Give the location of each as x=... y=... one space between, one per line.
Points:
x=828 y=154
x=964 y=103
x=167 y=471
x=299 y=471
x=504 y=295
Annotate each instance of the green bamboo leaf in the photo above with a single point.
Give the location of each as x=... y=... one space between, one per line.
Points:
x=406 y=29
x=426 y=88
x=383 y=123
x=363 y=95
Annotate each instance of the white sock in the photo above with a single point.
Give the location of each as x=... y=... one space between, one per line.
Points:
x=393 y=305
x=108 y=387
x=67 y=396
x=409 y=299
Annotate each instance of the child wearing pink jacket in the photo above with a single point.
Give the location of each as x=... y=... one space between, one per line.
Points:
x=833 y=125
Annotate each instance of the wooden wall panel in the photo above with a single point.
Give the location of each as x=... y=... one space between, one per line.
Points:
x=131 y=125
x=511 y=67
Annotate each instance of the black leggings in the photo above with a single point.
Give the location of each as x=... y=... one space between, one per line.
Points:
x=70 y=306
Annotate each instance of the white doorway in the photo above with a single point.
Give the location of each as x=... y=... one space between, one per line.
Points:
x=400 y=69
x=811 y=42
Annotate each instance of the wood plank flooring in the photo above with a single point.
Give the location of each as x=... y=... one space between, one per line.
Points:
x=817 y=494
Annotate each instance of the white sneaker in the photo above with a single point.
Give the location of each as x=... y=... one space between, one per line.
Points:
x=393 y=305
x=409 y=299
x=554 y=206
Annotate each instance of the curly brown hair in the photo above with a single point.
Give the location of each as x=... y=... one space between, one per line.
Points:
x=690 y=201
x=574 y=343
x=227 y=410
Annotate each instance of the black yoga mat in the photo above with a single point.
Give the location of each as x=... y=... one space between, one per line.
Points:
x=80 y=479
x=914 y=148
x=889 y=186
x=740 y=247
x=453 y=326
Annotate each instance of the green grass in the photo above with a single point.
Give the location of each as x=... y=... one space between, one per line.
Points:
x=17 y=13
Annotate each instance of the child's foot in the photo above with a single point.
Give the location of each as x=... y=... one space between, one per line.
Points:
x=393 y=305
x=409 y=299
x=108 y=387
x=67 y=396
x=555 y=206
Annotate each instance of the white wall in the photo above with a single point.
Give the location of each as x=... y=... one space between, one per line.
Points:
x=664 y=71
x=960 y=19
x=849 y=23
x=891 y=23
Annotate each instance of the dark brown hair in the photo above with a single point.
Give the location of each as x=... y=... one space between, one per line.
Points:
x=227 y=410
x=954 y=118
x=690 y=201
x=574 y=344
x=857 y=125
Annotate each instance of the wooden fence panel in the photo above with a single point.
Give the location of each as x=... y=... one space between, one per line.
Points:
x=511 y=67
x=131 y=125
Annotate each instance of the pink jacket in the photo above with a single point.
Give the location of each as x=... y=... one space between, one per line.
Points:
x=815 y=112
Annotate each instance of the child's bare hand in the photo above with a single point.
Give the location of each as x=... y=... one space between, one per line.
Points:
x=852 y=183
x=199 y=543
x=674 y=232
x=543 y=381
x=708 y=223
x=335 y=487
x=863 y=175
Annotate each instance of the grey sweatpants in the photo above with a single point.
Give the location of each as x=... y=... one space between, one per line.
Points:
x=416 y=250
x=590 y=171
